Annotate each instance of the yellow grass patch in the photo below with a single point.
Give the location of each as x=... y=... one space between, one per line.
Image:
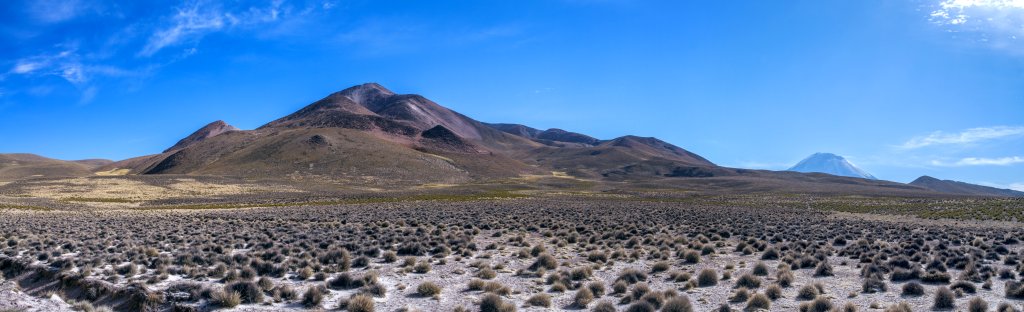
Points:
x=114 y=172
x=123 y=192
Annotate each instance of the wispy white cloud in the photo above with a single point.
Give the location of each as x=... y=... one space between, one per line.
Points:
x=72 y=67
x=55 y=11
x=26 y=66
x=980 y=161
x=196 y=19
x=965 y=137
x=191 y=21
x=1017 y=187
x=999 y=23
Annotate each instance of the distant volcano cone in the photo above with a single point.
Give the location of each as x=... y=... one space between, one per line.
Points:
x=831 y=164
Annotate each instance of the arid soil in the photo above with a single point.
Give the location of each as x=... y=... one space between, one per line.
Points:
x=626 y=252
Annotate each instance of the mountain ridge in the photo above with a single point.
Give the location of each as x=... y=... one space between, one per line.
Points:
x=368 y=128
x=962 y=188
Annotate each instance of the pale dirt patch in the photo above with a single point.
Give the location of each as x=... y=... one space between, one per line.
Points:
x=11 y=298
x=114 y=172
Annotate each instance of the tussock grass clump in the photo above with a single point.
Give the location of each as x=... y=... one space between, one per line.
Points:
x=656 y=299
x=545 y=261
x=313 y=296
x=913 y=289
x=873 y=284
x=251 y=293
x=935 y=277
x=225 y=299
x=428 y=289
x=304 y=274
x=597 y=288
x=748 y=281
x=785 y=277
x=1014 y=290
x=265 y=283
x=774 y=291
x=849 y=307
x=823 y=269
x=583 y=297
x=641 y=307
x=691 y=257
x=901 y=274
x=707 y=278
x=389 y=257
x=422 y=267
x=677 y=304
x=632 y=276
x=964 y=286
x=740 y=295
x=581 y=273
x=493 y=303
x=944 y=299
x=808 y=292
x=760 y=269
x=1006 y=307
x=487 y=274
x=539 y=300
x=758 y=302
x=820 y=304
x=977 y=304
x=603 y=306
x=660 y=266
x=475 y=284
x=360 y=303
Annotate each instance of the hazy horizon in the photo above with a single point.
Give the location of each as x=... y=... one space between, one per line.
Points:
x=901 y=89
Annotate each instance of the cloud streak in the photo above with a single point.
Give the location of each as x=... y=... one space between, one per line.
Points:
x=55 y=11
x=980 y=161
x=200 y=18
x=968 y=136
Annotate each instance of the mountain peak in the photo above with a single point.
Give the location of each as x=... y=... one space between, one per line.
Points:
x=366 y=94
x=208 y=131
x=924 y=179
x=831 y=164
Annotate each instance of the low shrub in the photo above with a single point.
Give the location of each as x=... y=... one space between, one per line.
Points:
x=707 y=278
x=944 y=299
x=539 y=300
x=428 y=289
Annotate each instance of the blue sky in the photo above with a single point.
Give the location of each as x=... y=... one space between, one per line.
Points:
x=901 y=88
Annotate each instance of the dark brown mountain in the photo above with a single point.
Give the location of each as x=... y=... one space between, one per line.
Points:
x=368 y=132
x=962 y=188
x=20 y=166
x=363 y=133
